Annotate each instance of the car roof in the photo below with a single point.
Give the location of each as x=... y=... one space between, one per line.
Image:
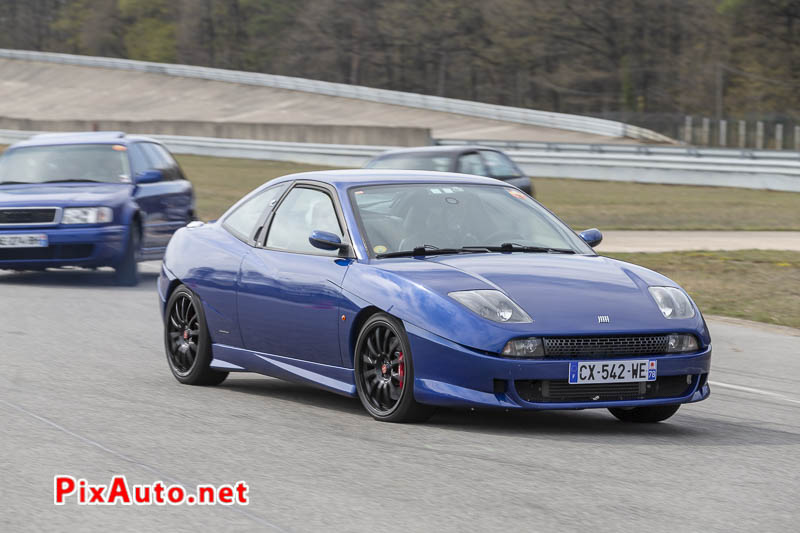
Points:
x=81 y=137
x=435 y=150
x=342 y=179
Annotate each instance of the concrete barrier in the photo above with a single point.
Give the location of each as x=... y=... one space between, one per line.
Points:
x=299 y=133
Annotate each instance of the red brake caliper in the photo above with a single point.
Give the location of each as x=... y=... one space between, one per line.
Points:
x=401 y=369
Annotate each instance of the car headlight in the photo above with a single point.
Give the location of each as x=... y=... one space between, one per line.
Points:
x=492 y=305
x=673 y=302
x=527 y=347
x=87 y=215
x=681 y=342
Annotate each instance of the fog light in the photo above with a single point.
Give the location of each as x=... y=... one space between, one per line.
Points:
x=677 y=343
x=528 y=347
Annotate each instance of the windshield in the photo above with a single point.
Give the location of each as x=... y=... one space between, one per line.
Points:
x=79 y=162
x=397 y=218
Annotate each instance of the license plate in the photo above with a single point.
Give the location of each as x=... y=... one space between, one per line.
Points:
x=612 y=371
x=26 y=240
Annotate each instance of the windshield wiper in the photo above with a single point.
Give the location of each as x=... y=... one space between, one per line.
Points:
x=429 y=249
x=14 y=182
x=514 y=247
x=75 y=180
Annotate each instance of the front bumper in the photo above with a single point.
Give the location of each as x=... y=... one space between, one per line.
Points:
x=448 y=374
x=85 y=246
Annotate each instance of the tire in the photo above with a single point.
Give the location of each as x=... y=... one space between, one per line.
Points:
x=384 y=366
x=127 y=271
x=645 y=415
x=186 y=340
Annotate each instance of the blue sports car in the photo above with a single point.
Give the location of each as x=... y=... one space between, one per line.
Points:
x=412 y=290
x=89 y=199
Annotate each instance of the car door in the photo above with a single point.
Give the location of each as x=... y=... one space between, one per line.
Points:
x=289 y=291
x=148 y=197
x=179 y=201
x=176 y=198
x=226 y=250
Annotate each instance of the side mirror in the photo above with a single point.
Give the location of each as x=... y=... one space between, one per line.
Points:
x=326 y=241
x=149 y=176
x=592 y=237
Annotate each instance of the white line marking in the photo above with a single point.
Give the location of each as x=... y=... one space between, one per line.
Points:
x=753 y=391
x=124 y=457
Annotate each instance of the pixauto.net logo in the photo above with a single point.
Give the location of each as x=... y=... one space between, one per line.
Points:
x=119 y=492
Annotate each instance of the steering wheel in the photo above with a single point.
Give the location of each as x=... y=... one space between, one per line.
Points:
x=504 y=235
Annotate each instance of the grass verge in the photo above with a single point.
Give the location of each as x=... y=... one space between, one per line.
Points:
x=756 y=285
x=636 y=206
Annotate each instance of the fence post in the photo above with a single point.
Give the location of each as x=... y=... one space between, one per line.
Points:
x=779 y=136
x=742 y=134
x=797 y=138
x=759 y=135
x=706 y=131
x=687 y=130
x=723 y=133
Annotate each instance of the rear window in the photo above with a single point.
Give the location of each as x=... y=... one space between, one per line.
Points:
x=79 y=162
x=437 y=163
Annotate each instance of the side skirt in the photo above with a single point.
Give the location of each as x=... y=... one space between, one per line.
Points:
x=333 y=378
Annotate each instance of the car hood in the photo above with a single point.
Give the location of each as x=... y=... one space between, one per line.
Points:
x=63 y=194
x=564 y=294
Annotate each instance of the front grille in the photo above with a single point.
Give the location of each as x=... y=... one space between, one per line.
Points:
x=600 y=347
x=55 y=252
x=19 y=217
x=560 y=391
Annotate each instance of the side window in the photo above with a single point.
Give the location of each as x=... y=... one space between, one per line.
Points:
x=499 y=165
x=139 y=162
x=300 y=213
x=165 y=156
x=158 y=161
x=471 y=164
x=242 y=222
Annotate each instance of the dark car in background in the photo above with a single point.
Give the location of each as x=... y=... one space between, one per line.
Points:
x=90 y=200
x=466 y=159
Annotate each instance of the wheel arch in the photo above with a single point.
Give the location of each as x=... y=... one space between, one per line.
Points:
x=355 y=328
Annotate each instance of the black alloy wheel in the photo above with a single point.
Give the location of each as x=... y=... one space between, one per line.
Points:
x=384 y=372
x=183 y=331
x=187 y=342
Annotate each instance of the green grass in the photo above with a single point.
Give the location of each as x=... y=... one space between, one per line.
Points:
x=753 y=284
x=632 y=206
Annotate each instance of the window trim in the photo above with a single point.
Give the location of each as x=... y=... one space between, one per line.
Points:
x=457 y=169
x=250 y=239
x=489 y=174
x=499 y=183
x=330 y=191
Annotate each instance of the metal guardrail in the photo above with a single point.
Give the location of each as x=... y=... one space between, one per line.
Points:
x=532 y=117
x=638 y=149
x=761 y=172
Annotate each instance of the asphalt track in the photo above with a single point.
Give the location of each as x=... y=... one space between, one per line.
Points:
x=85 y=390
